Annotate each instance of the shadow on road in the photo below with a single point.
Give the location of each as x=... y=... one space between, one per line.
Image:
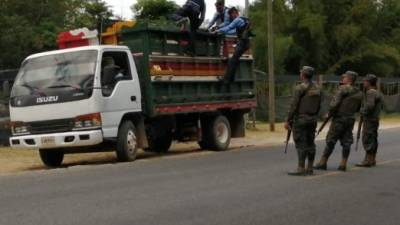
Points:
x=93 y=159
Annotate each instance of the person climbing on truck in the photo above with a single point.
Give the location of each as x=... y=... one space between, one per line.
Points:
x=193 y=11
x=221 y=17
x=242 y=26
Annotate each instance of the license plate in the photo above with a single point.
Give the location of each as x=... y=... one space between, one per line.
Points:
x=48 y=140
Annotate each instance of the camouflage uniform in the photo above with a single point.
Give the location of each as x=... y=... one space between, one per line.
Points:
x=370 y=110
x=303 y=115
x=346 y=102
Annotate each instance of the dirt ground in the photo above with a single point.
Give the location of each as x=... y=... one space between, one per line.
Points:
x=13 y=160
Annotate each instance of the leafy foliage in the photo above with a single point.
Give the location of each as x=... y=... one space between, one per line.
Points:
x=32 y=26
x=153 y=9
x=333 y=36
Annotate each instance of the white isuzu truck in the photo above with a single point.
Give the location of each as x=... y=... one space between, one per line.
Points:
x=118 y=98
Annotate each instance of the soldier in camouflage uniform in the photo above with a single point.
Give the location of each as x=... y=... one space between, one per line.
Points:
x=345 y=104
x=302 y=118
x=370 y=111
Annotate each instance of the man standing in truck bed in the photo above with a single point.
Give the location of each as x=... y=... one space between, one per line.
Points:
x=302 y=119
x=241 y=25
x=345 y=104
x=195 y=12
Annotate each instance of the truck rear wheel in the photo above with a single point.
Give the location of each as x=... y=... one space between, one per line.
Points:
x=217 y=134
x=127 y=142
x=51 y=158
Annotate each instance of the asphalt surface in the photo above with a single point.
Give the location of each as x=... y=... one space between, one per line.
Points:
x=247 y=186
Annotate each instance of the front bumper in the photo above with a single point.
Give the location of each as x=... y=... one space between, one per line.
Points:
x=58 y=140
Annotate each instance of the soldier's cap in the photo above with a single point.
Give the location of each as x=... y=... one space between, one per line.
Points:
x=354 y=75
x=371 y=78
x=220 y=2
x=308 y=71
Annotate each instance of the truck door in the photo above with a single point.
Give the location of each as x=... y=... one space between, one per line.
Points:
x=120 y=89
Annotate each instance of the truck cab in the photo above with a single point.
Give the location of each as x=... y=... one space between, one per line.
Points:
x=73 y=98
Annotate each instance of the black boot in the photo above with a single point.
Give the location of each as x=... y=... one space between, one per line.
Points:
x=322 y=164
x=300 y=171
x=367 y=162
x=310 y=169
x=343 y=165
x=373 y=159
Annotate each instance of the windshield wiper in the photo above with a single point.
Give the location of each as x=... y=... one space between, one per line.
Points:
x=33 y=90
x=65 y=86
x=29 y=86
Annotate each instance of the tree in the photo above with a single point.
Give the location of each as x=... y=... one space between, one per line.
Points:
x=153 y=9
x=332 y=36
x=33 y=26
x=88 y=13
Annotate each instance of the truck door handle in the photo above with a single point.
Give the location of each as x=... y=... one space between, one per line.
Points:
x=133 y=98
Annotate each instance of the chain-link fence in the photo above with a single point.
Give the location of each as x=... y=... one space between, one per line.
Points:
x=284 y=85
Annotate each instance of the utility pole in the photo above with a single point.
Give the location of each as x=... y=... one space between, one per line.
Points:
x=271 y=69
x=246 y=8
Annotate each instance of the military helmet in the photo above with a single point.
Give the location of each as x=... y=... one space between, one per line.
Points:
x=307 y=71
x=371 y=78
x=352 y=74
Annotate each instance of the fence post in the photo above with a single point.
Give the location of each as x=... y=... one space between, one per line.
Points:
x=320 y=80
x=378 y=84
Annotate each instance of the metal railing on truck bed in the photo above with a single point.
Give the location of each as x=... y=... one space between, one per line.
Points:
x=172 y=82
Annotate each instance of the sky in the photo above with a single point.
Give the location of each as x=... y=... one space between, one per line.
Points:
x=122 y=7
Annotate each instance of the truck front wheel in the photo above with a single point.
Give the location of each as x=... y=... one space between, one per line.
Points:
x=51 y=158
x=127 y=142
x=217 y=134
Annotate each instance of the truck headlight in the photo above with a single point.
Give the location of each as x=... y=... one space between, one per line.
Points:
x=19 y=128
x=89 y=121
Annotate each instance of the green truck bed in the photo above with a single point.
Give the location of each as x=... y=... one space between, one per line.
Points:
x=174 y=83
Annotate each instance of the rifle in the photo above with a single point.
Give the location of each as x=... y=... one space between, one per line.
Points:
x=289 y=134
x=360 y=124
x=324 y=123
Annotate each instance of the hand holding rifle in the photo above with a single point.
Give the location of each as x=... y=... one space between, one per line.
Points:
x=329 y=117
x=360 y=124
x=288 y=127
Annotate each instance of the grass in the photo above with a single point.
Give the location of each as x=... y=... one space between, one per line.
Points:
x=390 y=118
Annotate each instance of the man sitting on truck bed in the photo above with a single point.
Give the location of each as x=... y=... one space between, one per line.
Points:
x=195 y=12
x=221 y=17
x=241 y=25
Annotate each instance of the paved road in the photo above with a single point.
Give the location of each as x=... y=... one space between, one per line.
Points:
x=247 y=186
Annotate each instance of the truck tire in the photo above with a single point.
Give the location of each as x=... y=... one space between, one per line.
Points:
x=127 y=142
x=51 y=158
x=160 y=143
x=217 y=134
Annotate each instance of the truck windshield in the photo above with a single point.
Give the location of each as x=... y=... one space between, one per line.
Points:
x=65 y=77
